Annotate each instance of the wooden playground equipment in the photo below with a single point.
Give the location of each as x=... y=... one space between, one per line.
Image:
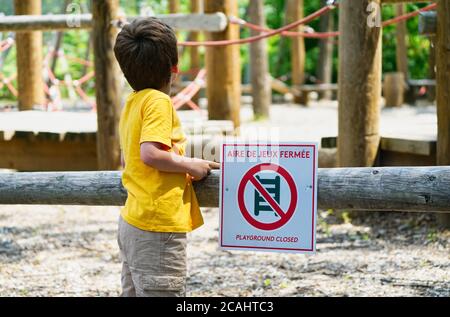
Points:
x=359 y=143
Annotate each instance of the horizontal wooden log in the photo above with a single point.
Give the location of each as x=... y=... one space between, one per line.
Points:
x=215 y=22
x=428 y=23
x=401 y=1
x=421 y=82
x=387 y=188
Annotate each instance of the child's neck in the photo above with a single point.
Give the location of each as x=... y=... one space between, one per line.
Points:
x=166 y=89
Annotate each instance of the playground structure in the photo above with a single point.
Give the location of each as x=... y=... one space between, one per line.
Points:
x=359 y=143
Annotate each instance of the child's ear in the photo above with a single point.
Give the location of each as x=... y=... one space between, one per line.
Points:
x=175 y=69
x=174 y=73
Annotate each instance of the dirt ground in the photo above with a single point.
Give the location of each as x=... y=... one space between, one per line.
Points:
x=72 y=251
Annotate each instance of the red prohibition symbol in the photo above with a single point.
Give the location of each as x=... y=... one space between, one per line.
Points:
x=285 y=216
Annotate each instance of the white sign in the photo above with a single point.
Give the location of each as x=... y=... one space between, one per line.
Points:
x=268 y=197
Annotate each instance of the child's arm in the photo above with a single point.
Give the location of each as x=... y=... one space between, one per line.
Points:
x=153 y=155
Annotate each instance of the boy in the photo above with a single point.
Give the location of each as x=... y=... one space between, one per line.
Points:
x=161 y=206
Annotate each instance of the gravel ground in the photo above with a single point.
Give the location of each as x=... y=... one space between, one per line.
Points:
x=72 y=251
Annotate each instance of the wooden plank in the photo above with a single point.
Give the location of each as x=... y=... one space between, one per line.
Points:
x=419 y=147
x=388 y=188
x=214 y=22
x=46 y=152
x=107 y=84
x=399 y=145
x=388 y=158
x=224 y=68
x=318 y=87
x=29 y=59
x=359 y=85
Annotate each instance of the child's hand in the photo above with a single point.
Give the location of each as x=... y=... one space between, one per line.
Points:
x=199 y=169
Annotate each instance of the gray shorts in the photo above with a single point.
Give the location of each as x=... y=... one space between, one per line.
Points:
x=153 y=263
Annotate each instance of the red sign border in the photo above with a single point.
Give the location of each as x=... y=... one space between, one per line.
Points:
x=292 y=206
x=313 y=198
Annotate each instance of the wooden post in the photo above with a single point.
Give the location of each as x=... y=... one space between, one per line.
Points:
x=394 y=89
x=443 y=88
x=431 y=90
x=107 y=85
x=402 y=49
x=259 y=65
x=174 y=7
x=359 y=85
x=295 y=13
x=29 y=58
x=325 y=64
x=224 y=68
x=196 y=7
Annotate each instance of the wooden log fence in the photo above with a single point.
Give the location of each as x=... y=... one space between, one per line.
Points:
x=213 y=22
x=421 y=189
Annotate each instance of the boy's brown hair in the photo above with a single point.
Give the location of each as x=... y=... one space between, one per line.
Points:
x=146 y=50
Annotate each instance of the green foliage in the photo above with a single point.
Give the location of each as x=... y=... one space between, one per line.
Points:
x=75 y=42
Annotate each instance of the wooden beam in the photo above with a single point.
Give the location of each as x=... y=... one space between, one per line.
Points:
x=29 y=59
x=259 y=64
x=443 y=88
x=214 y=22
x=107 y=85
x=359 y=85
x=224 y=68
x=387 y=188
x=298 y=54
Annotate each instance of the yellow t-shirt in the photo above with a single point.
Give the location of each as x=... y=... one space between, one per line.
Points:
x=157 y=201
